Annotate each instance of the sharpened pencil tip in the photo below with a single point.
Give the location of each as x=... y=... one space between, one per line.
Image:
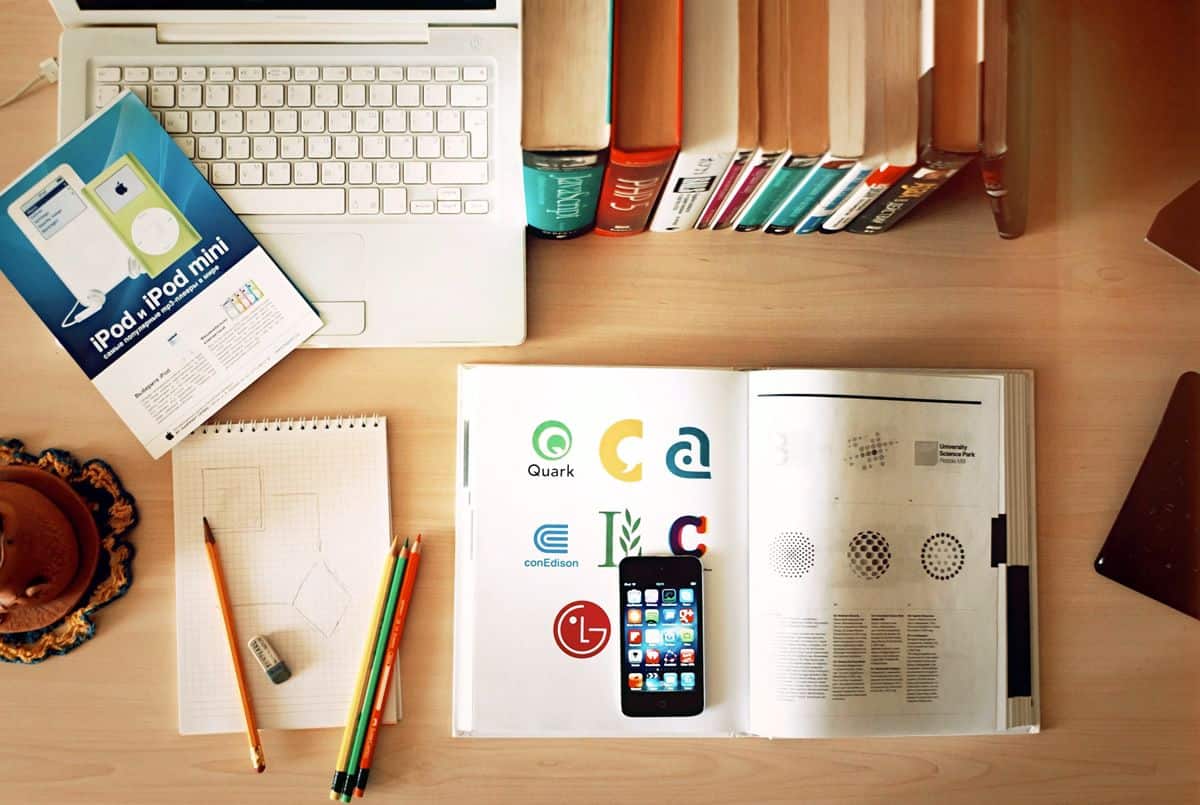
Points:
x=208 y=534
x=262 y=767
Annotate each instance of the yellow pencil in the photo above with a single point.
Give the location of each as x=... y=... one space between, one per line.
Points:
x=214 y=559
x=356 y=703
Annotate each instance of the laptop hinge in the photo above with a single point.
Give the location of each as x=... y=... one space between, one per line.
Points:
x=293 y=33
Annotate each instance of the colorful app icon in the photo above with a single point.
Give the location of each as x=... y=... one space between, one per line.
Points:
x=687 y=635
x=635 y=656
x=653 y=637
x=688 y=679
x=670 y=680
x=668 y=615
x=635 y=681
x=651 y=596
x=687 y=615
x=670 y=637
x=633 y=616
x=668 y=596
x=652 y=656
x=653 y=682
x=687 y=595
x=634 y=638
x=651 y=616
x=687 y=656
x=633 y=597
x=670 y=657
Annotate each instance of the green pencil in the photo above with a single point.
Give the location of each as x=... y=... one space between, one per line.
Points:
x=364 y=717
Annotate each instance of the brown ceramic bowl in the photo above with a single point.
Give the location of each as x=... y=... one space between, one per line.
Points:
x=41 y=613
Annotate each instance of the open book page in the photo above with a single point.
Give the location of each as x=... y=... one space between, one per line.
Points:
x=568 y=470
x=873 y=600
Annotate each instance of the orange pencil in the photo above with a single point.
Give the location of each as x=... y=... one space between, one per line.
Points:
x=214 y=559
x=389 y=663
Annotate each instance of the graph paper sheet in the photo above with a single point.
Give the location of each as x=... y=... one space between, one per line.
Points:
x=301 y=516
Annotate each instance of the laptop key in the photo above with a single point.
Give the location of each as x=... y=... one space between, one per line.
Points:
x=469 y=95
x=220 y=73
x=106 y=94
x=193 y=74
x=137 y=73
x=395 y=201
x=458 y=173
x=108 y=75
x=308 y=74
x=285 y=200
x=364 y=201
x=304 y=173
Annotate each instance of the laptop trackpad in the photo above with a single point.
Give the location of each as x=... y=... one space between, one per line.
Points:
x=330 y=267
x=330 y=270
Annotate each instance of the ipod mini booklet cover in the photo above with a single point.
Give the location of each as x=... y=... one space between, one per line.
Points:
x=867 y=542
x=144 y=275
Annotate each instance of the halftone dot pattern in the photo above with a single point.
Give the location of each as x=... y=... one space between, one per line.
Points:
x=943 y=556
x=869 y=554
x=866 y=452
x=791 y=555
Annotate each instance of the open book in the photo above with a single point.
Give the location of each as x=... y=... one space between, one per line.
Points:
x=867 y=540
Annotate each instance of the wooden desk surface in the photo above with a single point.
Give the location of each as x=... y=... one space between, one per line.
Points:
x=1105 y=320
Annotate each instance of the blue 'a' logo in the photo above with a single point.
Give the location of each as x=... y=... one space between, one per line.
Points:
x=689 y=457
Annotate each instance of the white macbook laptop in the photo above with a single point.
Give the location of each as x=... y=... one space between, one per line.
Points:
x=373 y=147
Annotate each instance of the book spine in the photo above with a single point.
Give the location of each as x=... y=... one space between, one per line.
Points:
x=997 y=192
x=761 y=166
x=724 y=188
x=834 y=199
x=562 y=190
x=629 y=191
x=819 y=181
x=934 y=170
x=872 y=188
x=688 y=190
x=778 y=189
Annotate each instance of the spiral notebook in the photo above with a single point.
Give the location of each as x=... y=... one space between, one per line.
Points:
x=301 y=512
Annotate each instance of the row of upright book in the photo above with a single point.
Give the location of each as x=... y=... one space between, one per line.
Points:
x=775 y=116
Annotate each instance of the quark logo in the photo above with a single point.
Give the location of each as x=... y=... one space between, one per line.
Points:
x=689 y=457
x=581 y=629
x=675 y=535
x=615 y=441
x=552 y=440
x=551 y=538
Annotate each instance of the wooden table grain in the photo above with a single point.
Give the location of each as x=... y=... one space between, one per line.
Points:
x=1106 y=321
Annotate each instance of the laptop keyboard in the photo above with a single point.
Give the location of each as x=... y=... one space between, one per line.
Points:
x=358 y=140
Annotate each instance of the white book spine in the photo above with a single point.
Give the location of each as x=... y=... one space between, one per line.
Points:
x=688 y=189
x=855 y=203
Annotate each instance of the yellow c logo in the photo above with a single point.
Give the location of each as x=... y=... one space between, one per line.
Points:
x=610 y=443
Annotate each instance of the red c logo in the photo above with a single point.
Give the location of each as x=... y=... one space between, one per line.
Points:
x=581 y=629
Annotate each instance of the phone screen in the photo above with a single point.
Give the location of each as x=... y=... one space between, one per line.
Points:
x=662 y=657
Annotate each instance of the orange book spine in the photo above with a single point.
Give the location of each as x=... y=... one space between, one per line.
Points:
x=633 y=180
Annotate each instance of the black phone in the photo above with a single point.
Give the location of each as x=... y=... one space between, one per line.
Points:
x=662 y=636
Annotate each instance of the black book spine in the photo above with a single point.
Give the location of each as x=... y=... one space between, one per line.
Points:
x=934 y=170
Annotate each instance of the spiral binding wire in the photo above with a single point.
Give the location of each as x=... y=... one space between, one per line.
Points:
x=291 y=423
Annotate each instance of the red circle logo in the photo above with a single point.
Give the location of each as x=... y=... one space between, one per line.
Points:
x=581 y=629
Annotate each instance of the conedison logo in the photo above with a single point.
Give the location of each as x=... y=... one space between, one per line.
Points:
x=552 y=440
x=551 y=538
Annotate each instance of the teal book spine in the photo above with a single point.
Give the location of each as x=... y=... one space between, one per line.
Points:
x=834 y=199
x=789 y=177
x=820 y=180
x=562 y=192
